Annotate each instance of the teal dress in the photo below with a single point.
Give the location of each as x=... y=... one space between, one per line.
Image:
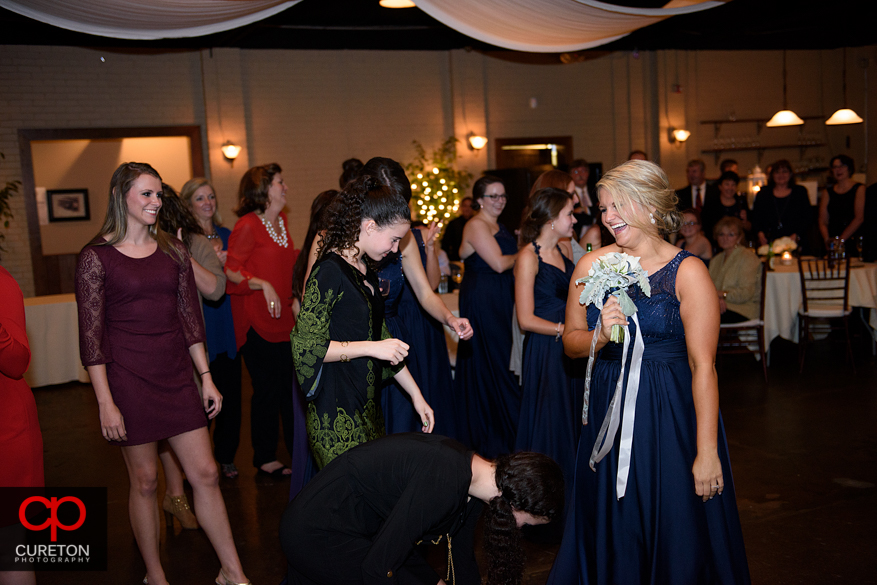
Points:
x=343 y=409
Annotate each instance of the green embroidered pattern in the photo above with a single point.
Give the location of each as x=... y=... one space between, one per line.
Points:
x=330 y=438
x=310 y=336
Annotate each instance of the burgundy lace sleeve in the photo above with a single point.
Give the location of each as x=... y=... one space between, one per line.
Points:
x=91 y=303
x=188 y=303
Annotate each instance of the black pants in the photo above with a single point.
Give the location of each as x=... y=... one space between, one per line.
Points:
x=227 y=434
x=271 y=370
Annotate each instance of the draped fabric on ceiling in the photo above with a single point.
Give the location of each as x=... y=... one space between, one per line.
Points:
x=539 y=26
x=148 y=19
x=550 y=26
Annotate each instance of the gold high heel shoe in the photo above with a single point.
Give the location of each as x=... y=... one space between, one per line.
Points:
x=179 y=506
x=223 y=580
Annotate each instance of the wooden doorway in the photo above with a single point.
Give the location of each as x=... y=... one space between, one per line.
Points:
x=53 y=273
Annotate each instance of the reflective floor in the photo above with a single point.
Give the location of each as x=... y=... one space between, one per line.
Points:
x=803 y=450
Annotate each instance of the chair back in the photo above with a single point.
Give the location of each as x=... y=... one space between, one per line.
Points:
x=825 y=284
x=763 y=291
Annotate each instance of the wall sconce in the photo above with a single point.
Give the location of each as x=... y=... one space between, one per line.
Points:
x=677 y=135
x=230 y=151
x=476 y=142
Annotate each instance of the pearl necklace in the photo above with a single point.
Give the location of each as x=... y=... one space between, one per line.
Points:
x=283 y=238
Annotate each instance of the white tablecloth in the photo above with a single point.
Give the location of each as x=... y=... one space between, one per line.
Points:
x=53 y=334
x=783 y=298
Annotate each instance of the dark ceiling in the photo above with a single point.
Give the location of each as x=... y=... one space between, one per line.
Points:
x=363 y=24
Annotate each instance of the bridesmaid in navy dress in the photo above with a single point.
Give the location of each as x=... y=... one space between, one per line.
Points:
x=552 y=385
x=487 y=299
x=661 y=507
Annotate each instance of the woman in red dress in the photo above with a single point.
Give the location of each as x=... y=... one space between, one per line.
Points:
x=140 y=329
x=21 y=442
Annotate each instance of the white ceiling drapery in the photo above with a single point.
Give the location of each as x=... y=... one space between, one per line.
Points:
x=539 y=26
x=550 y=26
x=148 y=19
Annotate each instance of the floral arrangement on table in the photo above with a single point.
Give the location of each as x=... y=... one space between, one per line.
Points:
x=777 y=247
x=614 y=273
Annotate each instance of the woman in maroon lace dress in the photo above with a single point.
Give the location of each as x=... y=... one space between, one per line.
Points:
x=140 y=329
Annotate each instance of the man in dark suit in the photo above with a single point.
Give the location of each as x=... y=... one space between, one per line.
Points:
x=587 y=211
x=698 y=191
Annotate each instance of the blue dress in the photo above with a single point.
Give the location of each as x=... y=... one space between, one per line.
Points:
x=660 y=531
x=483 y=376
x=427 y=355
x=551 y=390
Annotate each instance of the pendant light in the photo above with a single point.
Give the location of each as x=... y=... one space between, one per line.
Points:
x=844 y=115
x=784 y=117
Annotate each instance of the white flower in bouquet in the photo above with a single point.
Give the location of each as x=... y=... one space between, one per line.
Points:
x=783 y=244
x=614 y=273
x=763 y=250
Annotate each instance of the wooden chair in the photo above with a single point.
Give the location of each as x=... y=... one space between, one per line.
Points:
x=825 y=293
x=739 y=337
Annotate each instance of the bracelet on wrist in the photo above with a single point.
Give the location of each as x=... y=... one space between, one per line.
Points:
x=202 y=373
x=557 y=330
x=344 y=359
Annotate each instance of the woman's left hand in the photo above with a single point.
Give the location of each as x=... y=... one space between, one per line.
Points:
x=211 y=397
x=432 y=231
x=427 y=416
x=461 y=327
x=708 y=479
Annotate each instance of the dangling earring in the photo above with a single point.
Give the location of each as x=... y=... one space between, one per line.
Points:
x=651 y=218
x=552 y=226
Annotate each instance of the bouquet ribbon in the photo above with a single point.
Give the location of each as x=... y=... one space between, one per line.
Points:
x=615 y=416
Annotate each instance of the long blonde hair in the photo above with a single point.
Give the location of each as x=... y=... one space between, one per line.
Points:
x=115 y=227
x=644 y=184
x=188 y=191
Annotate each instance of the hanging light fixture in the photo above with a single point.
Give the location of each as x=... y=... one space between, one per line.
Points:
x=230 y=151
x=677 y=135
x=396 y=3
x=844 y=115
x=784 y=117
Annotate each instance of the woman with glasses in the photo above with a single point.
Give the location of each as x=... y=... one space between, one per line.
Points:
x=487 y=298
x=782 y=208
x=225 y=361
x=736 y=272
x=692 y=238
x=842 y=205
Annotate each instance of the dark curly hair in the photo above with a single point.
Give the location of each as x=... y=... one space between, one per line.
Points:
x=350 y=169
x=529 y=482
x=175 y=214
x=543 y=206
x=390 y=174
x=253 y=190
x=362 y=198
x=316 y=225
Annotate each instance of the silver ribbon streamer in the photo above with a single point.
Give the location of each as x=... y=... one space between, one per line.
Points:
x=587 y=396
x=614 y=417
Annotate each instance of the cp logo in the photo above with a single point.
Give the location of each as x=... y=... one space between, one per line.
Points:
x=53 y=522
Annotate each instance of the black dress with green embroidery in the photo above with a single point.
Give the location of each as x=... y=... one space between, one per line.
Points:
x=343 y=408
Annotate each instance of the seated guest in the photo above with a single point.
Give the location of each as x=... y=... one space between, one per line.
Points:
x=782 y=208
x=359 y=519
x=736 y=272
x=691 y=237
x=728 y=204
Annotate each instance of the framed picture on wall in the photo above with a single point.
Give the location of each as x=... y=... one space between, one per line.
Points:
x=68 y=205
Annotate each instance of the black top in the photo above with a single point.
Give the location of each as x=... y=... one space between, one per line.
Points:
x=362 y=515
x=841 y=210
x=453 y=237
x=714 y=210
x=343 y=403
x=778 y=217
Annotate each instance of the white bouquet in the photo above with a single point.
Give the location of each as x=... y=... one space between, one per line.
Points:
x=778 y=246
x=614 y=273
